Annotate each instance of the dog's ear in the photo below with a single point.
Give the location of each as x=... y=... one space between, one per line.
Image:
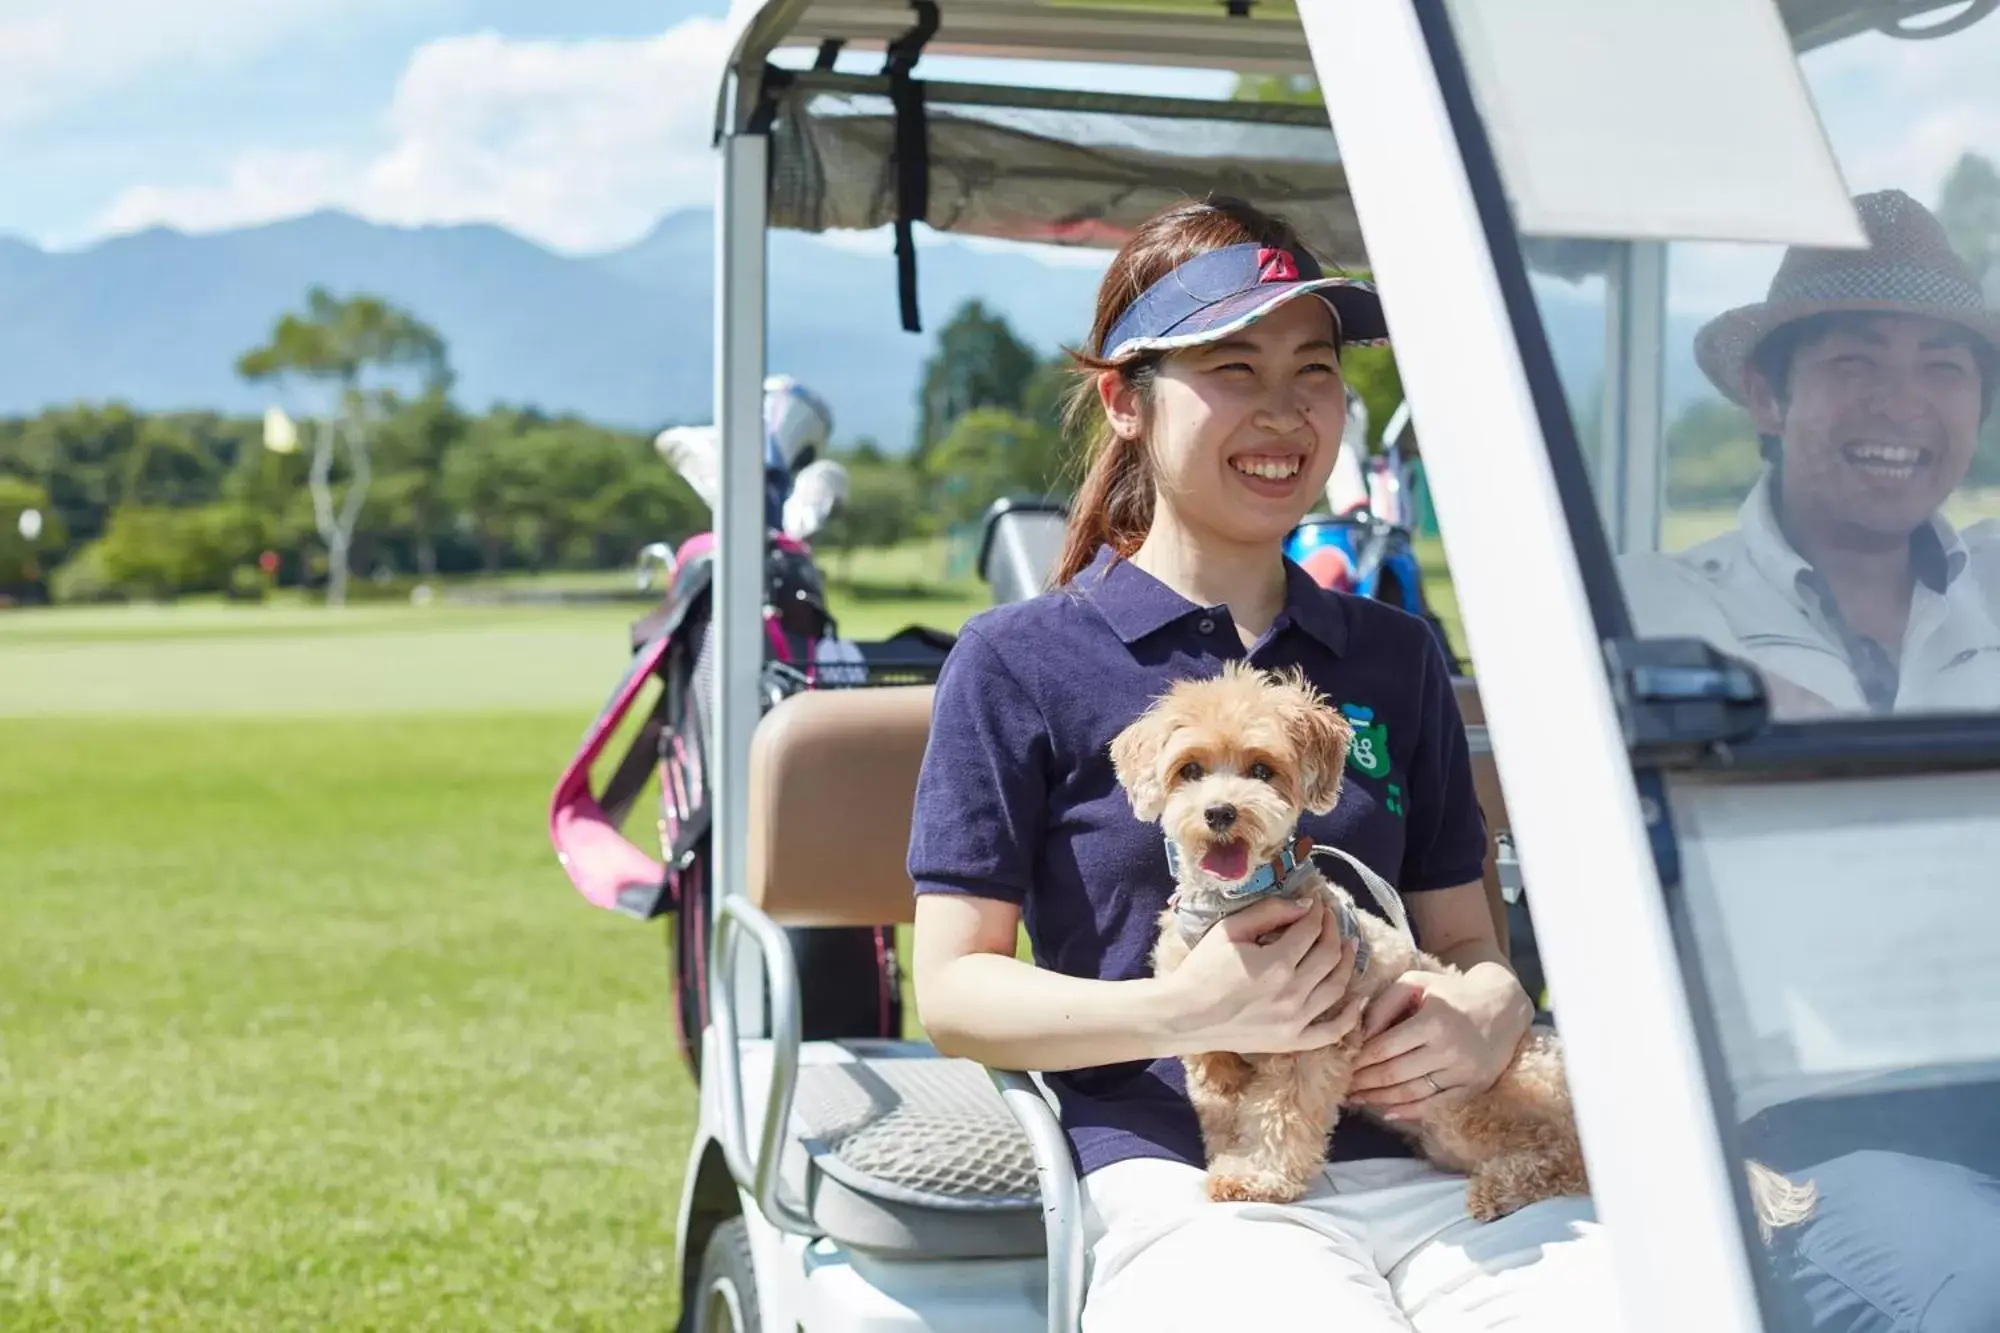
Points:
x=1321 y=736
x=1135 y=757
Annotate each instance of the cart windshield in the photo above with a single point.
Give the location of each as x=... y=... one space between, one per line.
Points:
x=1780 y=375
x=1793 y=447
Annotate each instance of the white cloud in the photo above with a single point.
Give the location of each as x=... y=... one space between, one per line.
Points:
x=58 y=53
x=1900 y=113
x=581 y=144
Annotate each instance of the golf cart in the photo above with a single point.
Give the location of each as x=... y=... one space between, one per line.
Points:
x=1705 y=879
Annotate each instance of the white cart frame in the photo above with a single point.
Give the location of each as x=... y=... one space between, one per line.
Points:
x=1499 y=449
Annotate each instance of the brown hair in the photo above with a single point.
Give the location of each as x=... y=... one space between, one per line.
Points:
x=1114 y=502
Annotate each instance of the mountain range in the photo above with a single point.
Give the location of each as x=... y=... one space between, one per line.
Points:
x=157 y=318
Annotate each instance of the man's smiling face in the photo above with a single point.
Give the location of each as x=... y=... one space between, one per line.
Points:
x=1879 y=416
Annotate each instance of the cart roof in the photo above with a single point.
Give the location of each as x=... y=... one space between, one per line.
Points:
x=1034 y=164
x=1191 y=34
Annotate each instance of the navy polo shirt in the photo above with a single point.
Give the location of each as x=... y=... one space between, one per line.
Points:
x=1017 y=799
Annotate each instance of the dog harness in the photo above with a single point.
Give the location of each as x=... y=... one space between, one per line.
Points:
x=1285 y=876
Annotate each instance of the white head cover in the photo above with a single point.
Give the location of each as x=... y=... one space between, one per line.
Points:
x=695 y=452
x=795 y=418
x=819 y=490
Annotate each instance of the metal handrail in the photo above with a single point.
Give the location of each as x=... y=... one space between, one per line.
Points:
x=760 y=1175
x=1062 y=1197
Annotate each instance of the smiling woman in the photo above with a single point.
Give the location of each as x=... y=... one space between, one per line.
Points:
x=1219 y=278
x=1212 y=379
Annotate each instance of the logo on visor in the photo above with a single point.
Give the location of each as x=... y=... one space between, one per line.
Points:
x=1277 y=266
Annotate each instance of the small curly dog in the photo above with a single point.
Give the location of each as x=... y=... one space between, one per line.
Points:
x=1227 y=765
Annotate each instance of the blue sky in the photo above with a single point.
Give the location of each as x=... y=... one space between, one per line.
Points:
x=577 y=122
x=106 y=98
x=580 y=122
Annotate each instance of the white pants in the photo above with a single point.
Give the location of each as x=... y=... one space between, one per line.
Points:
x=1381 y=1246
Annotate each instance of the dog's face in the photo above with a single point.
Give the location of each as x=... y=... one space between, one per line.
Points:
x=1227 y=766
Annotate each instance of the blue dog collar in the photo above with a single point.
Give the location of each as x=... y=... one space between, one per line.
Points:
x=1270 y=878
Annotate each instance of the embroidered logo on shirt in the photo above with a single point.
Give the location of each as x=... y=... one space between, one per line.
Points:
x=1368 y=752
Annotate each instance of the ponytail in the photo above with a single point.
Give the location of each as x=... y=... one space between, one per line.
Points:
x=1114 y=502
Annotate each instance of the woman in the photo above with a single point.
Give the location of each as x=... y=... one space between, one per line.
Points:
x=1214 y=377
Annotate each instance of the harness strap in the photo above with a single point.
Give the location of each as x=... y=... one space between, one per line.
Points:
x=1385 y=896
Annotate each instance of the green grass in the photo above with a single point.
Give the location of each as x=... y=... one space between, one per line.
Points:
x=301 y=1027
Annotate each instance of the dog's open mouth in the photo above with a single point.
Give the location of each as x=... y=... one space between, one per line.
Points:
x=1227 y=861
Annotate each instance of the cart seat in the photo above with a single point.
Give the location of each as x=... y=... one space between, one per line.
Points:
x=1019 y=544
x=899 y=1152
x=893 y=1149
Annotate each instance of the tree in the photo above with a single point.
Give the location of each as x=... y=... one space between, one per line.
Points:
x=29 y=532
x=159 y=552
x=1713 y=457
x=1372 y=373
x=978 y=363
x=989 y=453
x=415 y=438
x=1046 y=395
x=338 y=345
x=80 y=455
x=493 y=482
x=883 y=499
x=1969 y=209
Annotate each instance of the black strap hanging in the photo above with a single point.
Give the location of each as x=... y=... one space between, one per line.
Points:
x=913 y=183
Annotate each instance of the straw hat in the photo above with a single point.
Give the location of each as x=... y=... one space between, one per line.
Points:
x=1908 y=268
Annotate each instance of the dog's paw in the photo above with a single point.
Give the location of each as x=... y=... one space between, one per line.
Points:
x=1493 y=1195
x=1508 y=1185
x=1487 y=1201
x=1252 y=1187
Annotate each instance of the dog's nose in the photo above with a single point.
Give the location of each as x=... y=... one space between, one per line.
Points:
x=1220 y=817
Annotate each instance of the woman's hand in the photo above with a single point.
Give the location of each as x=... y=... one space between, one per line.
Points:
x=1436 y=1038
x=1262 y=980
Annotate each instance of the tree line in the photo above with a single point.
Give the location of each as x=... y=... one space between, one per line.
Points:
x=385 y=475
x=137 y=505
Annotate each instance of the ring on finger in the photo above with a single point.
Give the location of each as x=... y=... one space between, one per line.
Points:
x=1433 y=1081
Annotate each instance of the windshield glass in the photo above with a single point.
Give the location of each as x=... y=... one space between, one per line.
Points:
x=1794 y=448
x=1794 y=455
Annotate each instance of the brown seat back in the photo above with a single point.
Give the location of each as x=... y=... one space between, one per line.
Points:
x=833 y=780
x=1486 y=782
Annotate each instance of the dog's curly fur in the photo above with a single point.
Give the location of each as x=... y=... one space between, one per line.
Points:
x=1268 y=749
x=1262 y=749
